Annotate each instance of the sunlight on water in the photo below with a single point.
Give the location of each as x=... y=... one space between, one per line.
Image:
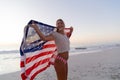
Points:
x=9 y=62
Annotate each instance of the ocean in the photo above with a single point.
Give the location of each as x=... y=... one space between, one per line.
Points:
x=10 y=59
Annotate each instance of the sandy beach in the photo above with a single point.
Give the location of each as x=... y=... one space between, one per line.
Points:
x=103 y=65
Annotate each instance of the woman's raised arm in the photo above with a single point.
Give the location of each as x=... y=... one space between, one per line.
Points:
x=41 y=35
x=71 y=30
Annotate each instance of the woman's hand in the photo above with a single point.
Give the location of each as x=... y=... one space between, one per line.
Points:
x=71 y=29
x=33 y=25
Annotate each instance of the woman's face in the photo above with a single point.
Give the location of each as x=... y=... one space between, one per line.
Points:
x=60 y=25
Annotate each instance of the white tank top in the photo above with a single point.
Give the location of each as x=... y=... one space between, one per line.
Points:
x=62 y=42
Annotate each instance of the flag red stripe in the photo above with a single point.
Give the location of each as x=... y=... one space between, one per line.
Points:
x=28 y=71
x=33 y=76
x=22 y=64
x=23 y=76
x=37 y=56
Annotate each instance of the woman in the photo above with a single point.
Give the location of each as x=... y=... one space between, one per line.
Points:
x=63 y=46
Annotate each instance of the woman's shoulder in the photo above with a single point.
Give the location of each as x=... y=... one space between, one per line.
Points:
x=54 y=33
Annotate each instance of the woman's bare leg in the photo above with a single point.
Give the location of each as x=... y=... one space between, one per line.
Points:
x=66 y=70
x=61 y=68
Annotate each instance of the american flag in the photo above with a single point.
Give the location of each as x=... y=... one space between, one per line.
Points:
x=35 y=53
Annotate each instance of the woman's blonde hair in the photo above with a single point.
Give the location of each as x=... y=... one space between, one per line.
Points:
x=61 y=21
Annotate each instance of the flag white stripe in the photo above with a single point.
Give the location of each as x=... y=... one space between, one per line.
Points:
x=22 y=70
x=22 y=58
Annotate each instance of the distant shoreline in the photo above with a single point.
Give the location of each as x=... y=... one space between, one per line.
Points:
x=75 y=48
x=9 y=51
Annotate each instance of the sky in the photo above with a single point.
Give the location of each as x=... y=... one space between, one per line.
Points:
x=94 y=21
